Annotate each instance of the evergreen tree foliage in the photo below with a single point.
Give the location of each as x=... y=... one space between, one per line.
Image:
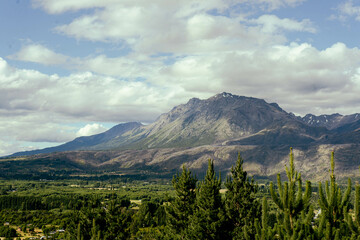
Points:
x=198 y=211
x=117 y=222
x=181 y=209
x=209 y=217
x=78 y=234
x=241 y=204
x=94 y=231
x=334 y=206
x=294 y=219
x=145 y=217
x=354 y=222
x=263 y=231
x=7 y=232
x=108 y=222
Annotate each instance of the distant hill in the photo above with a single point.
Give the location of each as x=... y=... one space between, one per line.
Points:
x=216 y=127
x=262 y=161
x=117 y=132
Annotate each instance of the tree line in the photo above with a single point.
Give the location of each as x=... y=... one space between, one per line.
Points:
x=199 y=210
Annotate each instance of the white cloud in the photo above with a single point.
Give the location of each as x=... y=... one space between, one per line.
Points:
x=39 y=54
x=25 y=125
x=125 y=67
x=204 y=54
x=7 y=148
x=208 y=54
x=290 y=71
x=91 y=129
x=181 y=27
x=299 y=77
x=134 y=20
x=57 y=7
x=36 y=107
x=273 y=24
x=347 y=9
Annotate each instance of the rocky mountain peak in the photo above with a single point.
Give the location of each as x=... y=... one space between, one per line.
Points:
x=329 y=121
x=214 y=120
x=224 y=95
x=226 y=106
x=222 y=119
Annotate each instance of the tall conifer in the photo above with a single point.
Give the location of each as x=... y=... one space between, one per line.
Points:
x=181 y=209
x=263 y=231
x=293 y=204
x=209 y=218
x=79 y=237
x=241 y=204
x=334 y=206
x=354 y=224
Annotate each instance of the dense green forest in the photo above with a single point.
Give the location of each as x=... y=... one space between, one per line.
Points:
x=185 y=208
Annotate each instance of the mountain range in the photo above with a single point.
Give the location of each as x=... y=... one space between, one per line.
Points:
x=217 y=127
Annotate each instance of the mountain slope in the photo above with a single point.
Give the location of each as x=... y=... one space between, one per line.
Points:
x=284 y=132
x=215 y=120
x=220 y=118
x=313 y=161
x=191 y=133
x=90 y=142
x=223 y=119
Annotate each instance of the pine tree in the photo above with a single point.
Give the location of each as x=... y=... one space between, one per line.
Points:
x=293 y=204
x=93 y=230
x=241 y=204
x=79 y=237
x=181 y=209
x=263 y=231
x=209 y=218
x=334 y=206
x=354 y=224
x=117 y=221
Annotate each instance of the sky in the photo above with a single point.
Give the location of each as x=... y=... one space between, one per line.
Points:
x=76 y=68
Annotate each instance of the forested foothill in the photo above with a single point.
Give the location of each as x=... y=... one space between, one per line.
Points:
x=216 y=206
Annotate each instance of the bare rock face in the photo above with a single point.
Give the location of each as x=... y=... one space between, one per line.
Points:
x=220 y=118
x=218 y=127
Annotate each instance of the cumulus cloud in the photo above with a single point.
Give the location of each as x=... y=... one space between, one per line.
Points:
x=209 y=53
x=37 y=107
x=179 y=27
x=178 y=50
x=84 y=94
x=133 y=20
x=91 y=129
x=299 y=77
